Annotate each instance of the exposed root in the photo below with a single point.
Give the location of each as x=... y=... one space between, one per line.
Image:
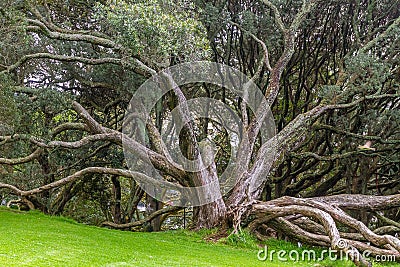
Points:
x=315 y=220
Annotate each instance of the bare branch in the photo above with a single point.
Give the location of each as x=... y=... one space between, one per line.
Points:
x=152 y=216
x=69 y=126
x=289 y=38
x=298 y=233
x=334 y=156
x=184 y=113
x=359 y=136
x=156 y=140
x=93 y=125
x=159 y=161
x=362 y=202
x=84 y=141
x=295 y=131
x=73 y=177
x=74 y=36
x=90 y=61
x=22 y=160
x=387 y=220
x=50 y=25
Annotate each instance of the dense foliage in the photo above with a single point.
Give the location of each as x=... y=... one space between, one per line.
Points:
x=328 y=69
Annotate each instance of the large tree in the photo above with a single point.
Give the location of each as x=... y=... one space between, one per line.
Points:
x=331 y=78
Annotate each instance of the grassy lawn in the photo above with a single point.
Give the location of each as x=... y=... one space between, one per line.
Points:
x=33 y=239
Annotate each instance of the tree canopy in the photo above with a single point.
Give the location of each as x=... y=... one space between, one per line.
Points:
x=329 y=71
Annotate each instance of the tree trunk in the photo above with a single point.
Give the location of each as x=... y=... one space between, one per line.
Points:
x=43 y=160
x=116 y=191
x=210 y=215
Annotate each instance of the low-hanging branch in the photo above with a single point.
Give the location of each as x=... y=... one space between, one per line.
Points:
x=169 y=209
x=77 y=175
x=34 y=155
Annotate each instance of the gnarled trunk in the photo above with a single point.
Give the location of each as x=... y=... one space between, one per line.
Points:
x=210 y=215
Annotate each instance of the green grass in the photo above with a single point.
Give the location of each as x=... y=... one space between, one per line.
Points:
x=34 y=239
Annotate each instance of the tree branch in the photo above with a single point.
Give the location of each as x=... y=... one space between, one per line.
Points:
x=265 y=57
x=392 y=29
x=158 y=160
x=379 y=139
x=90 y=61
x=22 y=160
x=74 y=36
x=152 y=216
x=74 y=177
